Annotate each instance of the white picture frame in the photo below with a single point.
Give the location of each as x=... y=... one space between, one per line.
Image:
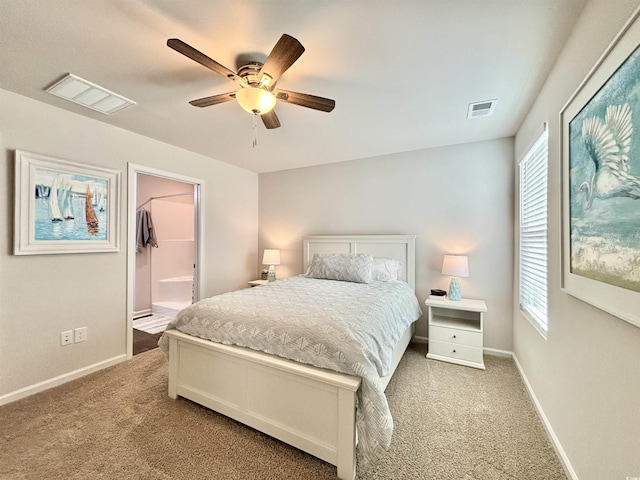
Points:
x=51 y=212
x=588 y=267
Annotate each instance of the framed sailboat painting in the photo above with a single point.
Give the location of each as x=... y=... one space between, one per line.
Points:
x=64 y=207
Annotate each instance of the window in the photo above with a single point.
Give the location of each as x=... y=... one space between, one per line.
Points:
x=533 y=233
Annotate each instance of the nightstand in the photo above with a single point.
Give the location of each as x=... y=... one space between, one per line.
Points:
x=255 y=283
x=455 y=331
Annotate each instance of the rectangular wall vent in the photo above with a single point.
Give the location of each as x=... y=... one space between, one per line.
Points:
x=89 y=95
x=481 y=109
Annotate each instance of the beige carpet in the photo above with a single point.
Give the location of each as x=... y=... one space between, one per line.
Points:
x=451 y=422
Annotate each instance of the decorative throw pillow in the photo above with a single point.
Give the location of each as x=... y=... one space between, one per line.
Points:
x=348 y=267
x=386 y=269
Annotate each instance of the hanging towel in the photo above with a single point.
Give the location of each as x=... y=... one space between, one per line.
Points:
x=145 y=234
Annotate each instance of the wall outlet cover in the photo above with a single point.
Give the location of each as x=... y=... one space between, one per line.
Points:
x=80 y=335
x=66 y=338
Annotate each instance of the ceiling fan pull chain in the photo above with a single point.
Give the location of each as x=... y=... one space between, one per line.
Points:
x=255 y=130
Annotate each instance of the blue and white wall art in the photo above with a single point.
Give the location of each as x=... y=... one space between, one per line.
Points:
x=604 y=181
x=64 y=207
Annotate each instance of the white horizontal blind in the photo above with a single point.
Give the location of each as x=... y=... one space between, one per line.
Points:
x=533 y=232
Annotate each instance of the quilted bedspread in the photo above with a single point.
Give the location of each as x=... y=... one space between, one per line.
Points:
x=343 y=326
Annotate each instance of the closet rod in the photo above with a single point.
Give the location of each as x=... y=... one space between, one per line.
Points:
x=165 y=196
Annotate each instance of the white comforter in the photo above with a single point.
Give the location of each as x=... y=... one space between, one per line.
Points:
x=343 y=326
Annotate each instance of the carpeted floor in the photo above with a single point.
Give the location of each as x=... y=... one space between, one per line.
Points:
x=451 y=423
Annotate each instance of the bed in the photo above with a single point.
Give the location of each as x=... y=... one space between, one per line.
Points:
x=311 y=408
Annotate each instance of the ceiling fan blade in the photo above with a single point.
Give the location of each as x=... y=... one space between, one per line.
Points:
x=306 y=100
x=270 y=120
x=197 y=56
x=283 y=55
x=213 y=100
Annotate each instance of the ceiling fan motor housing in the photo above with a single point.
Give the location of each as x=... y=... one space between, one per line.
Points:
x=251 y=73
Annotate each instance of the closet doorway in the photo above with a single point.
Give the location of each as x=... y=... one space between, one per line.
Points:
x=164 y=251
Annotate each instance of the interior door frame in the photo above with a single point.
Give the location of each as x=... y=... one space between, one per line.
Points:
x=132 y=202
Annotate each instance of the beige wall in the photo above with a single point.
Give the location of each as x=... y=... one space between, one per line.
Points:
x=455 y=199
x=42 y=295
x=586 y=375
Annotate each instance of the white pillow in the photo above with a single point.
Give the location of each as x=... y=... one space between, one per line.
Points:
x=348 y=267
x=386 y=269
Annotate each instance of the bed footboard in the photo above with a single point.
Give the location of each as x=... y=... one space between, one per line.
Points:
x=309 y=408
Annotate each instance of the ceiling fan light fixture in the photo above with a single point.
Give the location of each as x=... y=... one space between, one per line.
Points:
x=256 y=100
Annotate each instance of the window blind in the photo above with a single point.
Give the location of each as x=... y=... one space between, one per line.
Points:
x=533 y=233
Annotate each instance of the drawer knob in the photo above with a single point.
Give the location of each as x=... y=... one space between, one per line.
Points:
x=454 y=336
x=454 y=351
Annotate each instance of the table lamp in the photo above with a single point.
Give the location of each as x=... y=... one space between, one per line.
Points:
x=456 y=266
x=271 y=257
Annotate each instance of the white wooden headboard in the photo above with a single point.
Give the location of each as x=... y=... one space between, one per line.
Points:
x=400 y=247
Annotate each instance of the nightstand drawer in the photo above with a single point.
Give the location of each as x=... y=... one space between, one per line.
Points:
x=459 y=352
x=452 y=335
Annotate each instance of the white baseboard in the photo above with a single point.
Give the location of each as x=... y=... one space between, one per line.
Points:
x=420 y=339
x=497 y=352
x=566 y=464
x=142 y=313
x=59 y=380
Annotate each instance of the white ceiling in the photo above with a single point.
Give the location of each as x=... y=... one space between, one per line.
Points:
x=402 y=72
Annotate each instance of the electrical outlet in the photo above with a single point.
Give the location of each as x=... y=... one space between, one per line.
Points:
x=80 y=335
x=66 y=338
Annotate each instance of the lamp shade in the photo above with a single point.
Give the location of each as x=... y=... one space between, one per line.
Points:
x=455 y=265
x=255 y=100
x=271 y=257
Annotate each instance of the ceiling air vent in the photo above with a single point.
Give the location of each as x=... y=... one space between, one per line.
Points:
x=481 y=109
x=89 y=95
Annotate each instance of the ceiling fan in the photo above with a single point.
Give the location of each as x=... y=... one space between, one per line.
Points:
x=258 y=94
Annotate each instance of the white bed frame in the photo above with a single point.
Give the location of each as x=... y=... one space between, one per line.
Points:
x=310 y=408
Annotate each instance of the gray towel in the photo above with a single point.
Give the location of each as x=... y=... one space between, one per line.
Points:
x=145 y=234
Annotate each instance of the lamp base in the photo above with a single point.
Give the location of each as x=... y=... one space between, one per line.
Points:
x=455 y=293
x=271 y=274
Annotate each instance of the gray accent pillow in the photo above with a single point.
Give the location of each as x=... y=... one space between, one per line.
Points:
x=348 y=267
x=386 y=269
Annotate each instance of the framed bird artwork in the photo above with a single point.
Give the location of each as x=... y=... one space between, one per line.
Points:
x=600 y=150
